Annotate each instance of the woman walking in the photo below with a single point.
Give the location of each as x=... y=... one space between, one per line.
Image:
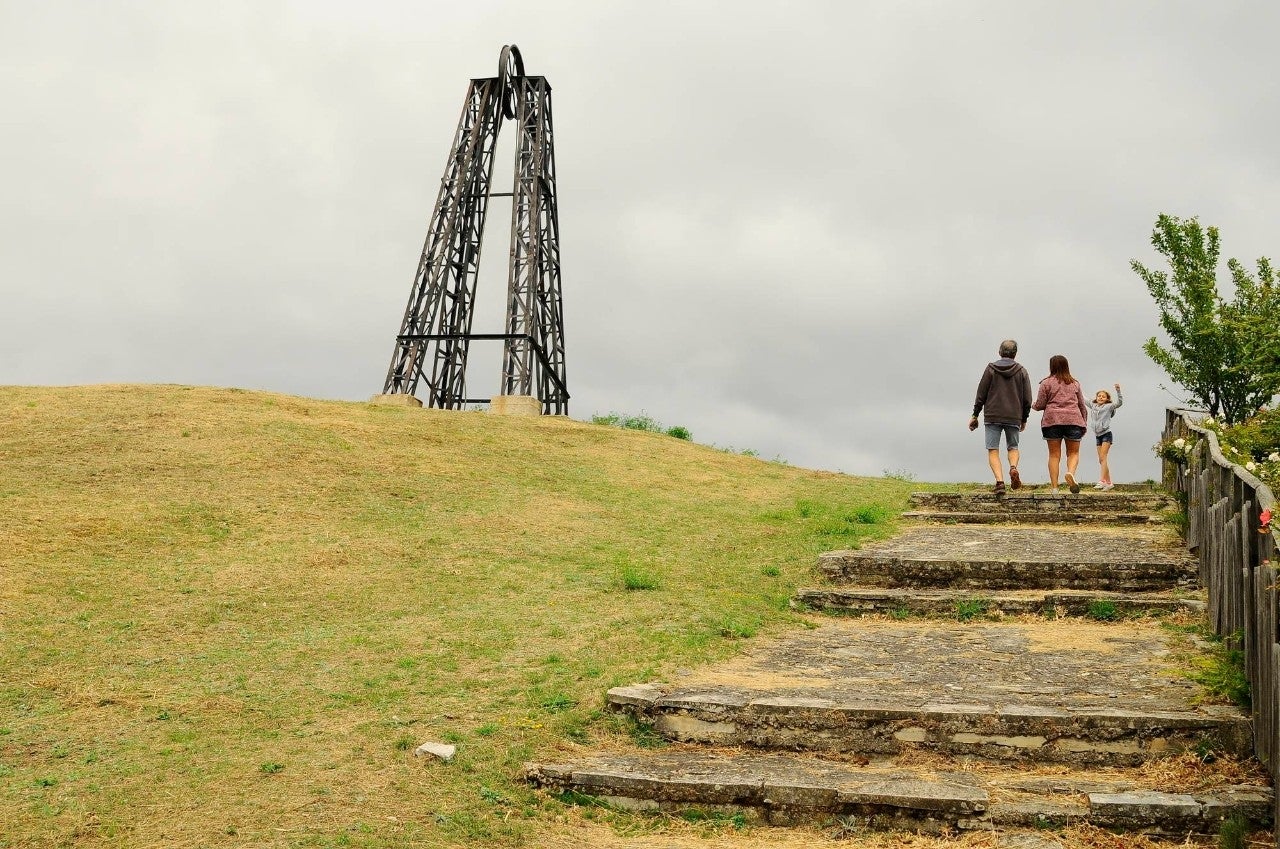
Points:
x=1065 y=415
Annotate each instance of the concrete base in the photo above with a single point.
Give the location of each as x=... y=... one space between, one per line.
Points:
x=399 y=400
x=515 y=405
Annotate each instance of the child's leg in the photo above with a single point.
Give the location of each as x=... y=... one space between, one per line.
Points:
x=1105 y=470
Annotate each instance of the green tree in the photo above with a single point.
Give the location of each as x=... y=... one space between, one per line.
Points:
x=1254 y=319
x=1226 y=354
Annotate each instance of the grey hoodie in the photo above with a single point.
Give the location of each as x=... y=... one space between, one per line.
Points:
x=1005 y=392
x=1100 y=414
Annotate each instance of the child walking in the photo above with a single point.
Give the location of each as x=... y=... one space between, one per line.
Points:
x=1100 y=413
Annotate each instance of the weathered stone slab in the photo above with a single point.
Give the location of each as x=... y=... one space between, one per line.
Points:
x=793 y=789
x=1145 y=810
x=681 y=726
x=1034 y=501
x=917 y=794
x=1063 y=517
x=1041 y=812
x=998 y=558
x=900 y=601
x=636 y=694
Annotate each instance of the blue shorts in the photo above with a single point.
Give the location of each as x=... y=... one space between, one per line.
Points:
x=993 y=432
x=1071 y=433
x=1105 y=437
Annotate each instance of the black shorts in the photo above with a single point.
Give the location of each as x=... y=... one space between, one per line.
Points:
x=1105 y=437
x=1071 y=433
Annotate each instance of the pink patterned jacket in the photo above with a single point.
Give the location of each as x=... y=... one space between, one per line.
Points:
x=1063 y=403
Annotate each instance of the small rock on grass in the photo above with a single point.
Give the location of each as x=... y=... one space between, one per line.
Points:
x=443 y=751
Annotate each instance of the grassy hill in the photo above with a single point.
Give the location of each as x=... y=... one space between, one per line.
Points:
x=227 y=618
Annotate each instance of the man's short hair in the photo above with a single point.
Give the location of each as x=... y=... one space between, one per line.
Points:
x=1009 y=348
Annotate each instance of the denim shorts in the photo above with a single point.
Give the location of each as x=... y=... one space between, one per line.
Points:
x=1071 y=433
x=1105 y=437
x=993 y=432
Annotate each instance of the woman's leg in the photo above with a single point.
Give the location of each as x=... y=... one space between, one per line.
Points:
x=1055 y=456
x=1104 y=470
x=1073 y=456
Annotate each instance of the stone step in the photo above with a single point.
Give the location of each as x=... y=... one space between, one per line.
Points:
x=1110 y=736
x=1095 y=604
x=1063 y=517
x=993 y=558
x=794 y=789
x=1063 y=691
x=1028 y=501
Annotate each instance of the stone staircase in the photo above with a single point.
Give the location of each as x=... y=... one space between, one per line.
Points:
x=1121 y=506
x=989 y=691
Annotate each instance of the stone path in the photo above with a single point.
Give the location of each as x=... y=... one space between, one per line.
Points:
x=933 y=724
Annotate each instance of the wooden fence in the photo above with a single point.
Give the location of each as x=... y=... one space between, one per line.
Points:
x=1238 y=566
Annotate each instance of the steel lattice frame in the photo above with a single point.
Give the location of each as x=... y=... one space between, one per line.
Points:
x=436 y=330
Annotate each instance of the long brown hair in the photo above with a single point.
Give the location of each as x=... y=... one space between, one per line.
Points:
x=1058 y=368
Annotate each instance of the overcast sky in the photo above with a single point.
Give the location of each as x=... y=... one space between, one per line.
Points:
x=799 y=228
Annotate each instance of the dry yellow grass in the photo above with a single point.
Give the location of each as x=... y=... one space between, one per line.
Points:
x=226 y=617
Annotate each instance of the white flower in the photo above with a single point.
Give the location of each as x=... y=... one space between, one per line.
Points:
x=1179 y=443
x=1208 y=420
x=1232 y=450
x=1251 y=465
x=1275 y=457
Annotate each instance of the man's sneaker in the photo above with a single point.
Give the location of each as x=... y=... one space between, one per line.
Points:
x=1071 y=483
x=1015 y=479
x=999 y=488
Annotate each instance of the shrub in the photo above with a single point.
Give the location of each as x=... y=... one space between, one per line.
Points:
x=1175 y=450
x=1253 y=444
x=643 y=422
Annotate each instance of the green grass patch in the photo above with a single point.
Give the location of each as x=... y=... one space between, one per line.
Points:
x=1102 y=610
x=972 y=608
x=638 y=579
x=1216 y=664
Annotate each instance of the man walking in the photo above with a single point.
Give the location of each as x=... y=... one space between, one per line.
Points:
x=1004 y=392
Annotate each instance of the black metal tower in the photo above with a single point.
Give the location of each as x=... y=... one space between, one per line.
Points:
x=435 y=335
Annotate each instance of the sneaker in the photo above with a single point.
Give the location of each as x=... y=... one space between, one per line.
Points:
x=999 y=488
x=1099 y=485
x=1108 y=486
x=1053 y=490
x=1015 y=479
x=1071 y=483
